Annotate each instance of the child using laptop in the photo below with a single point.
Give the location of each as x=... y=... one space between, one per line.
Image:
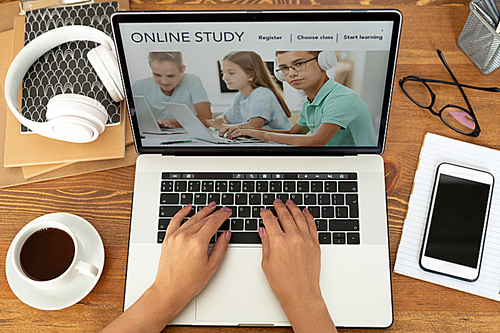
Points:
x=258 y=103
x=334 y=114
x=291 y=261
x=170 y=83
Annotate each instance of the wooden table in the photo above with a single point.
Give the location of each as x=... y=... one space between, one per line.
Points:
x=104 y=198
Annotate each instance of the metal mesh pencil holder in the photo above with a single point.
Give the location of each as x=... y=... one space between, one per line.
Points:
x=480 y=42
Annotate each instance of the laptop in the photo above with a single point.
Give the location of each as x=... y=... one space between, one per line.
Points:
x=342 y=186
x=195 y=127
x=146 y=120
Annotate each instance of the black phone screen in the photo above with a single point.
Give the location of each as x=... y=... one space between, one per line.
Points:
x=457 y=221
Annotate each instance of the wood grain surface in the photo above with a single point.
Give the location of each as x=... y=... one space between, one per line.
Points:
x=104 y=198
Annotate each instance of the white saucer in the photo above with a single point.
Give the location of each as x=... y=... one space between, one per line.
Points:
x=92 y=252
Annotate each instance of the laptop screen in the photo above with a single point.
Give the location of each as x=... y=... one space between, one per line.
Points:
x=308 y=82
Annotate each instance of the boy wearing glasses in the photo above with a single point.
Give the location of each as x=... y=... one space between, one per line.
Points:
x=335 y=115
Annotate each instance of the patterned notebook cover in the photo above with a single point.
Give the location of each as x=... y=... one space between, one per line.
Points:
x=65 y=69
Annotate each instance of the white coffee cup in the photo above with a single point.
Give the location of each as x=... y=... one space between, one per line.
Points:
x=76 y=267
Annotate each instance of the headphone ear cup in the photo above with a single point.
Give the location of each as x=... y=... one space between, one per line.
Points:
x=76 y=118
x=106 y=67
x=278 y=74
x=327 y=60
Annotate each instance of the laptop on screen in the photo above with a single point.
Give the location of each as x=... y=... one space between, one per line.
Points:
x=341 y=184
x=147 y=121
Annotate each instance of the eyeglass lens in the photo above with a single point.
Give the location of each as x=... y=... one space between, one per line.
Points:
x=458 y=119
x=418 y=92
x=454 y=117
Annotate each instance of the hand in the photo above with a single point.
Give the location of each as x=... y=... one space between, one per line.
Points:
x=254 y=133
x=168 y=123
x=291 y=260
x=217 y=123
x=229 y=130
x=184 y=270
x=185 y=267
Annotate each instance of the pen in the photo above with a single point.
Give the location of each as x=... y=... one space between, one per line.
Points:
x=484 y=15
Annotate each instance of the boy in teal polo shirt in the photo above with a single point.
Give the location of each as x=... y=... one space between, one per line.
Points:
x=335 y=115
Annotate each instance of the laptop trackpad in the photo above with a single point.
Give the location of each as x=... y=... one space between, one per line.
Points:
x=239 y=292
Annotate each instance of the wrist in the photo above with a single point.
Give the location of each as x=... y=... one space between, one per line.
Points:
x=308 y=314
x=165 y=302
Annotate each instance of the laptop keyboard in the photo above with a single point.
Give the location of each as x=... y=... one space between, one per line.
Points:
x=331 y=198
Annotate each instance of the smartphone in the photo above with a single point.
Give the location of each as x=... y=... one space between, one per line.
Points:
x=456 y=224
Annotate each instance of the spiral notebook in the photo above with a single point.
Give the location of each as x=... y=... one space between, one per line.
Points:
x=435 y=150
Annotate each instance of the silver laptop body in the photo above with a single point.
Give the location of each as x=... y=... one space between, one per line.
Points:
x=195 y=127
x=355 y=279
x=146 y=120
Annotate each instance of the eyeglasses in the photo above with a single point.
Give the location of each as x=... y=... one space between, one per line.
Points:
x=462 y=120
x=299 y=66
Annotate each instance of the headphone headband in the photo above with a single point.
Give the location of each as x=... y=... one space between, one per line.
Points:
x=34 y=50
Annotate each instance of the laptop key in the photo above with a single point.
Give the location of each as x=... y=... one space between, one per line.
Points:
x=341 y=212
x=316 y=186
x=161 y=236
x=275 y=186
x=234 y=211
x=296 y=198
x=251 y=224
x=180 y=186
x=163 y=224
x=343 y=225
x=169 y=211
x=337 y=199
x=268 y=199
x=288 y=186
x=214 y=197
x=327 y=212
x=241 y=199
x=348 y=186
x=248 y=186
x=221 y=186
x=244 y=211
x=167 y=186
x=282 y=196
x=169 y=198
x=315 y=211
x=353 y=238
x=325 y=238
x=324 y=199
x=330 y=186
x=200 y=199
x=303 y=186
x=352 y=202
x=256 y=211
x=262 y=186
x=309 y=199
x=255 y=199
x=186 y=198
x=244 y=238
x=235 y=186
x=321 y=225
x=224 y=225
x=227 y=199
x=194 y=186
x=207 y=186
x=236 y=224
x=338 y=238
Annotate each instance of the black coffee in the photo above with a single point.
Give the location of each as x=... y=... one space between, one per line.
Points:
x=46 y=254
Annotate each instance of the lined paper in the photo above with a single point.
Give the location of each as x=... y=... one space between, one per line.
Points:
x=435 y=150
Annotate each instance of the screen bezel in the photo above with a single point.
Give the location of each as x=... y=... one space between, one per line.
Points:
x=445 y=267
x=260 y=16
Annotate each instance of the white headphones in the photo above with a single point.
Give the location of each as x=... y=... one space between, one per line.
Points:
x=70 y=117
x=326 y=60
